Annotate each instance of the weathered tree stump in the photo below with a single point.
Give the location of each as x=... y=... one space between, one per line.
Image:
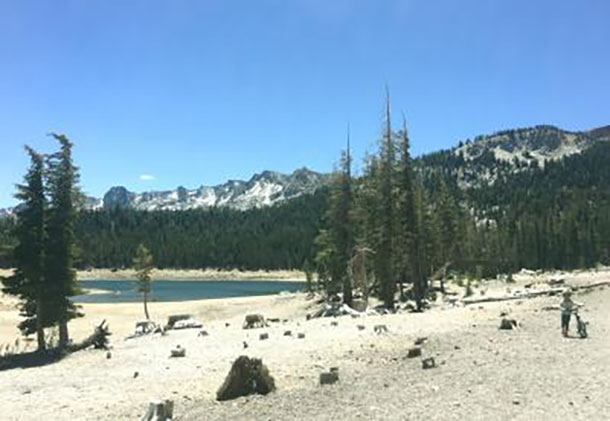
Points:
x=428 y=363
x=178 y=352
x=508 y=324
x=159 y=411
x=330 y=377
x=380 y=329
x=414 y=352
x=254 y=320
x=247 y=376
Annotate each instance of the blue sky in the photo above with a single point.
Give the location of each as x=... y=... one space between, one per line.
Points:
x=198 y=92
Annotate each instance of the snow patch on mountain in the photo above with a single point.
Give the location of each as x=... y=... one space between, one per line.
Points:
x=264 y=189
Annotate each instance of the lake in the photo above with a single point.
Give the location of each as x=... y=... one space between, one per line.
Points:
x=124 y=291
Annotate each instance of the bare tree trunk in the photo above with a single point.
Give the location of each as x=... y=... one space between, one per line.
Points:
x=63 y=334
x=146 y=305
x=39 y=329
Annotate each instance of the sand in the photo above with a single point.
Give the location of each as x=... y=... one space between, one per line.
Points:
x=482 y=373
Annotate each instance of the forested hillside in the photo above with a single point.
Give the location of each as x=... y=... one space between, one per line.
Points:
x=545 y=206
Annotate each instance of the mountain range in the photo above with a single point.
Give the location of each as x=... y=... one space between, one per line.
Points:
x=473 y=163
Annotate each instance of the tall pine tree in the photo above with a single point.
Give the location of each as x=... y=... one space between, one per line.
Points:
x=27 y=281
x=60 y=276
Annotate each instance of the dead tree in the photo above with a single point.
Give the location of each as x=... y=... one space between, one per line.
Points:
x=98 y=339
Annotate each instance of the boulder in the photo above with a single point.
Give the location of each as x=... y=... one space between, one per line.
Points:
x=247 y=376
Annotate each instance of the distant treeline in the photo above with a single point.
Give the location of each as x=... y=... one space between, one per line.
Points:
x=275 y=237
x=540 y=218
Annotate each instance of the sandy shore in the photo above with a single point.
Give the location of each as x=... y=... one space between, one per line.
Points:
x=483 y=373
x=187 y=275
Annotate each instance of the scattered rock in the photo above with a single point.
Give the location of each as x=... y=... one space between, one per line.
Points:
x=273 y=320
x=288 y=333
x=301 y=336
x=330 y=377
x=178 y=352
x=202 y=333
x=334 y=369
x=263 y=336
x=135 y=374
x=159 y=411
x=414 y=352
x=108 y=355
x=227 y=324
x=361 y=327
x=245 y=344
x=334 y=323
x=428 y=363
x=247 y=376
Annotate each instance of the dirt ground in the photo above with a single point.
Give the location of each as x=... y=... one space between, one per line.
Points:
x=482 y=372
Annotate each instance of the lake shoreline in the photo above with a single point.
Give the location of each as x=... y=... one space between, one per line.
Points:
x=187 y=275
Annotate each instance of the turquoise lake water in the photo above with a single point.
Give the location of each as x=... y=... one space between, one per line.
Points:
x=124 y=291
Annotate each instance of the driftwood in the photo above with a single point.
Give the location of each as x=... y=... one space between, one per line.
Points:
x=534 y=294
x=98 y=339
x=159 y=411
x=247 y=376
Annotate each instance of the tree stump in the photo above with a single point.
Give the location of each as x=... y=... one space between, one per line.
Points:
x=330 y=377
x=178 y=352
x=247 y=376
x=508 y=324
x=159 y=411
x=414 y=352
x=380 y=329
x=428 y=363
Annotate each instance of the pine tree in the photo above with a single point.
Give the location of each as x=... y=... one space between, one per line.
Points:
x=27 y=282
x=60 y=277
x=337 y=240
x=384 y=253
x=143 y=264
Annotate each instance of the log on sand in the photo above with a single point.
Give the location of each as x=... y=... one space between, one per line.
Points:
x=533 y=294
x=98 y=339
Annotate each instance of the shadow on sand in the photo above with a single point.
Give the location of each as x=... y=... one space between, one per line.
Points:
x=30 y=359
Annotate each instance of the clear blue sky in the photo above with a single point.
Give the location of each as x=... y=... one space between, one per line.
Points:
x=198 y=92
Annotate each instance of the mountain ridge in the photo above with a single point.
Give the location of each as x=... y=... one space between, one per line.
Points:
x=473 y=163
